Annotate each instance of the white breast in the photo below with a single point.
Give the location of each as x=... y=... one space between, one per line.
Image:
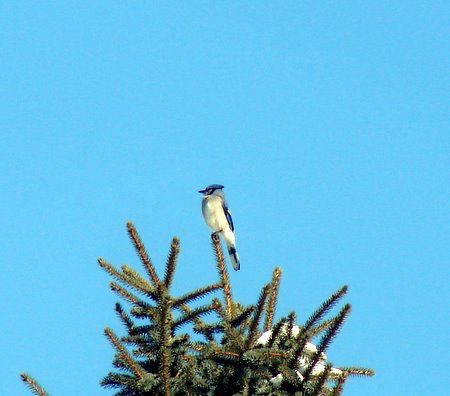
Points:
x=213 y=213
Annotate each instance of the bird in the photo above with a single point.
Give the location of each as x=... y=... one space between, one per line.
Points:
x=218 y=217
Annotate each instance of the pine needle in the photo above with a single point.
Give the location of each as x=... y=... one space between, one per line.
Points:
x=124 y=293
x=229 y=356
x=245 y=314
x=326 y=340
x=322 y=379
x=124 y=317
x=276 y=331
x=191 y=316
x=325 y=307
x=112 y=271
x=292 y=317
x=37 y=389
x=266 y=354
x=201 y=292
x=223 y=274
x=140 y=248
x=257 y=317
x=134 y=366
x=126 y=278
x=273 y=296
x=136 y=281
x=358 y=371
x=165 y=336
x=116 y=380
x=316 y=330
x=171 y=261
x=198 y=322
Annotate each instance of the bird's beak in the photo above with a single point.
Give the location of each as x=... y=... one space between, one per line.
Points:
x=202 y=191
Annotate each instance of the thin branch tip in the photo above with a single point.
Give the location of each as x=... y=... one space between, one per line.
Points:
x=33 y=385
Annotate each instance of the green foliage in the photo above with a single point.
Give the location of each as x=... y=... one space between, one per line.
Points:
x=241 y=351
x=169 y=348
x=33 y=385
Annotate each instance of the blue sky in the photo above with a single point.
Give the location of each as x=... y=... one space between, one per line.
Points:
x=327 y=122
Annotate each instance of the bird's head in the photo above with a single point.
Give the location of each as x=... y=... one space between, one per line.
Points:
x=211 y=189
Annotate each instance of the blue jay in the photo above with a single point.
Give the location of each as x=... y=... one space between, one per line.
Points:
x=218 y=217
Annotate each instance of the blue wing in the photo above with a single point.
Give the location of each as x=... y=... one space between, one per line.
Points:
x=228 y=216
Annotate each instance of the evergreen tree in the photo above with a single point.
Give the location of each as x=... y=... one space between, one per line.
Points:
x=239 y=350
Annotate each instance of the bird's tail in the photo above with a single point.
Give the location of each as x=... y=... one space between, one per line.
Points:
x=234 y=258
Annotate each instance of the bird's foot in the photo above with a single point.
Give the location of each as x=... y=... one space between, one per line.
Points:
x=215 y=236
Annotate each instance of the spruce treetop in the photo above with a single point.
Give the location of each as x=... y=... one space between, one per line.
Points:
x=206 y=343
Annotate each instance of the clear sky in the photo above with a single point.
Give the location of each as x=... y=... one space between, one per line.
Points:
x=327 y=122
